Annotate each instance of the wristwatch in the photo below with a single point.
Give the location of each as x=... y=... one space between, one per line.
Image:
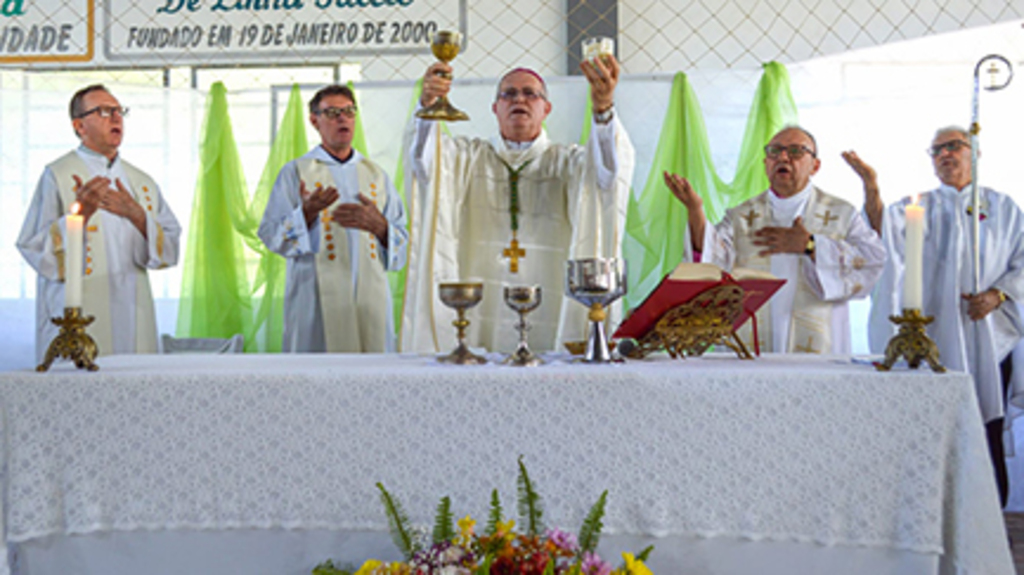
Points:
x=809 y=249
x=605 y=116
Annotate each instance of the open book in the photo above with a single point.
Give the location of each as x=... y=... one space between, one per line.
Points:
x=691 y=279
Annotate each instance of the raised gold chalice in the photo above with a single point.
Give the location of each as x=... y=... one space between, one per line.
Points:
x=445 y=45
x=522 y=299
x=461 y=296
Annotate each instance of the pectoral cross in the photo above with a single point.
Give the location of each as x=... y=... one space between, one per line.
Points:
x=513 y=252
x=750 y=217
x=809 y=348
x=828 y=217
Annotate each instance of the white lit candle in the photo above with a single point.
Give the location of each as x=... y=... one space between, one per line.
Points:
x=913 y=256
x=73 y=240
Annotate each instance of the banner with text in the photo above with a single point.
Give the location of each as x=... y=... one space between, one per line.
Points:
x=211 y=32
x=46 y=31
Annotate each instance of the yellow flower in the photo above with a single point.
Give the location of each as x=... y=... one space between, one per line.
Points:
x=369 y=567
x=635 y=567
x=466 y=526
x=506 y=527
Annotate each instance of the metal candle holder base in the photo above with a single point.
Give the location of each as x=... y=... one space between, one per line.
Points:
x=911 y=343
x=72 y=342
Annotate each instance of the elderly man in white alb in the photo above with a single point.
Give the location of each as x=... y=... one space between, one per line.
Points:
x=336 y=218
x=820 y=244
x=129 y=229
x=975 y=332
x=513 y=210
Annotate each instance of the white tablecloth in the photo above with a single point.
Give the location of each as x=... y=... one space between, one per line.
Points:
x=784 y=449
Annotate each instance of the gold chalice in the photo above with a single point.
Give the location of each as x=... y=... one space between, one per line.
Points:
x=445 y=45
x=461 y=296
x=523 y=299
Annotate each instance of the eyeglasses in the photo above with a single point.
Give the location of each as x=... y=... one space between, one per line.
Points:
x=105 y=111
x=950 y=146
x=527 y=94
x=333 y=113
x=794 y=151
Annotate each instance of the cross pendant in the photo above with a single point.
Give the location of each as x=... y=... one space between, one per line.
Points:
x=828 y=217
x=513 y=252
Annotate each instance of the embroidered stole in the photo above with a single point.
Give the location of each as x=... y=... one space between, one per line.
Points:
x=810 y=327
x=96 y=279
x=354 y=318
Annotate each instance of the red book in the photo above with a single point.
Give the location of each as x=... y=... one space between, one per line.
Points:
x=674 y=290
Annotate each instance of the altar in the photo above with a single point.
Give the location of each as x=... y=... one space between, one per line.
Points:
x=268 y=463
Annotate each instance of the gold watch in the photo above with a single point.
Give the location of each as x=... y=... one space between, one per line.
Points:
x=809 y=249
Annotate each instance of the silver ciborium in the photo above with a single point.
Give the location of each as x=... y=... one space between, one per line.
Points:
x=596 y=283
x=522 y=299
x=461 y=296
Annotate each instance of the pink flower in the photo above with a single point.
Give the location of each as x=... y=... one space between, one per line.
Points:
x=594 y=565
x=563 y=540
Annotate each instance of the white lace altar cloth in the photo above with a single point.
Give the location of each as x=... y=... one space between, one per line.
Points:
x=779 y=449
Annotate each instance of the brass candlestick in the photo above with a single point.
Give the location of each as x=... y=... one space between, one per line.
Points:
x=911 y=343
x=72 y=342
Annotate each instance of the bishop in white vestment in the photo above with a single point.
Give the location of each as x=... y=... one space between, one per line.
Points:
x=974 y=332
x=512 y=211
x=820 y=244
x=337 y=219
x=129 y=229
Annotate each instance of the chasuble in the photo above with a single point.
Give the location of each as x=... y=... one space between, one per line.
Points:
x=964 y=345
x=809 y=314
x=509 y=214
x=115 y=286
x=337 y=297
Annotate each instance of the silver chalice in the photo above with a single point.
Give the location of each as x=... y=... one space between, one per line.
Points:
x=523 y=299
x=596 y=283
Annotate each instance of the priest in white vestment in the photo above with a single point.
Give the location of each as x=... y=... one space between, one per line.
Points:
x=511 y=211
x=337 y=219
x=129 y=229
x=974 y=332
x=821 y=245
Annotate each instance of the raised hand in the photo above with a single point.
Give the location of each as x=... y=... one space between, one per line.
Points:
x=363 y=216
x=873 y=205
x=437 y=81
x=684 y=192
x=315 y=201
x=603 y=75
x=119 y=201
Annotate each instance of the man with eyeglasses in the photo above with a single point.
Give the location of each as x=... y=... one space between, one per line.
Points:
x=977 y=333
x=512 y=209
x=129 y=229
x=337 y=219
x=820 y=244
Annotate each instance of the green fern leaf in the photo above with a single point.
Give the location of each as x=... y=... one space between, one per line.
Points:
x=397 y=523
x=590 y=531
x=328 y=568
x=496 y=515
x=530 y=511
x=444 y=523
x=643 y=555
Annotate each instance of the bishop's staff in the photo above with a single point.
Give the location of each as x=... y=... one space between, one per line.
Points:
x=994 y=69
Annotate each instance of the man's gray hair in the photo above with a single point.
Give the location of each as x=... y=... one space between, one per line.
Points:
x=801 y=129
x=952 y=129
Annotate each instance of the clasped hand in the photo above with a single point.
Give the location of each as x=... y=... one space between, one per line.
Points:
x=363 y=215
x=97 y=194
x=979 y=306
x=779 y=240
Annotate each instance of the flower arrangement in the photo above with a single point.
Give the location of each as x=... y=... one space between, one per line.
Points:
x=455 y=547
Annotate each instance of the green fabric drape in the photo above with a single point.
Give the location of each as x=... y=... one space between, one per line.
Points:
x=289 y=143
x=655 y=224
x=215 y=297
